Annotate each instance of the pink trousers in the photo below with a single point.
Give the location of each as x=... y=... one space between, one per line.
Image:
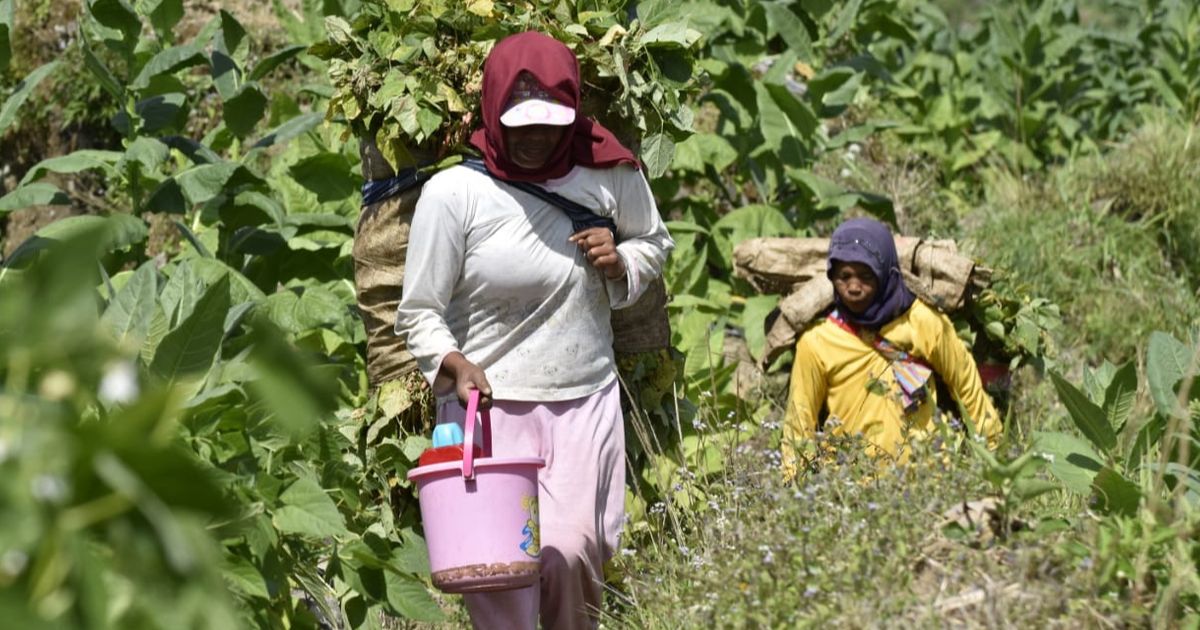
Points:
x=581 y=499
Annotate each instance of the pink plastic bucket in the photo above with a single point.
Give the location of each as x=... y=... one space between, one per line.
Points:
x=481 y=517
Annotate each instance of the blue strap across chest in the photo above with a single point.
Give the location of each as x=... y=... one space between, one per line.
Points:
x=581 y=217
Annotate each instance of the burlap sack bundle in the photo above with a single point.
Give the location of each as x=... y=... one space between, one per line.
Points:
x=795 y=268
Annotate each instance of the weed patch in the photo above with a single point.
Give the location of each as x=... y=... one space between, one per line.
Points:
x=851 y=543
x=1108 y=274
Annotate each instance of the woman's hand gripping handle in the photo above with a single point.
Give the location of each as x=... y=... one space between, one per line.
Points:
x=467 y=376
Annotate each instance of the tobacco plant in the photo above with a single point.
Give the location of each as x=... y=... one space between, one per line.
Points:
x=211 y=464
x=409 y=73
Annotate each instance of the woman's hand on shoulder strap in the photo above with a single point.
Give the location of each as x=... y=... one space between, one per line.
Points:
x=600 y=249
x=467 y=376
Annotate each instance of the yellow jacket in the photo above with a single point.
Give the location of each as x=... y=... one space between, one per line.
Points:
x=834 y=367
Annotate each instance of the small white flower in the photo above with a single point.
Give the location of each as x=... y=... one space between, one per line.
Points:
x=628 y=552
x=57 y=385
x=13 y=562
x=119 y=384
x=48 y=488
x=844 y=173
x=855 y=148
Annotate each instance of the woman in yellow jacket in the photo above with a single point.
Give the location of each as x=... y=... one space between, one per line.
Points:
x=869 y=360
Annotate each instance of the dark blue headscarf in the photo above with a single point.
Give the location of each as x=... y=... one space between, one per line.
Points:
x=870 y=242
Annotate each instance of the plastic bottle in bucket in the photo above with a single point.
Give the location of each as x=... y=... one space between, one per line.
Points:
x=447 y=445
x=480 y=515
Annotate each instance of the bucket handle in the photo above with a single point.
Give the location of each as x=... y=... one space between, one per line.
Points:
x=485 y=420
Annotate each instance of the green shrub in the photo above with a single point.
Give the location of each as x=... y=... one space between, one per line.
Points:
x=1108 y=274
x=1153 y=178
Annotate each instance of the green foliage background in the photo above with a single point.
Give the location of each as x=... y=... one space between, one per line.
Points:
x=187 y=438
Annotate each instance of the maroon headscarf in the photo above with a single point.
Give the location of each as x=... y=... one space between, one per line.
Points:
x=585 y=143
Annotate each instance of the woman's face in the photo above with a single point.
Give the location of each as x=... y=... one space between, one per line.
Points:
x=855 y=284
x=531 y=146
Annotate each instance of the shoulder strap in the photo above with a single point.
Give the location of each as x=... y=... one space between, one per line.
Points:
x=889 y=350
x=581 y=216
x=911 y=372
x=376 y=190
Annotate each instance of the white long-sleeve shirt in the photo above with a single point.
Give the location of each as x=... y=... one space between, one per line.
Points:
x=490 y=273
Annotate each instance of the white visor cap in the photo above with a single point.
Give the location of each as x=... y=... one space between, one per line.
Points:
x=530 y=104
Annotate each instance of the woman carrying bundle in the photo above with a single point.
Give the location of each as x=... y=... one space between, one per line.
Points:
x=871 y=361
x=506 y=293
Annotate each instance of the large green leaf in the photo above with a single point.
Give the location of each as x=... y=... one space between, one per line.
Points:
x=307 y=510
x=754 y=314
x=657 y=153
x=835 y=88
x=101 y=72
x=290 y=129
x=785 y=122
x=409 y=597
x=192 y=346
x=702 y=150
x=1085 y=414
x=38 y=194
x=231 y=36
x=1119 y=396
x=329 y=175
x=670 y=35
x=82 y=160
x=118 y=16
x=111 y=233
x=846 y=19
x=1148 y=436
x=229 y=52
x=8 y=111
x=245 y=577
x=164 y=15
x=181 y=292
x=202 y=183
x=1097 y=380
x=1167 y=361
x=1117 y=494
x=149 y=153
x=276 y=59
x=169 y=61
x=789 y=26
x=131 y=310
x=155 y=333
x=298 y=311
x=244 y=109
x=158 y=113
x=241 y=289
x=1072 y=460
